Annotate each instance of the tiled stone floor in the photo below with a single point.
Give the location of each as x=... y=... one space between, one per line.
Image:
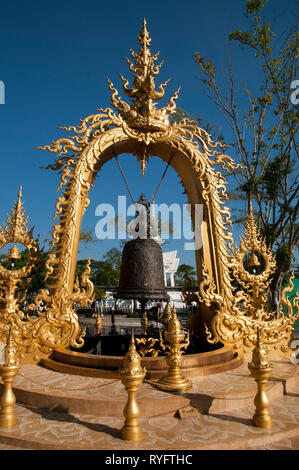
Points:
x=224 y=424
x=42 y=429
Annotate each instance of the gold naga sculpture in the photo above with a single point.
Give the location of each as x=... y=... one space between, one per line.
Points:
x=34 y=332
x=246 y=311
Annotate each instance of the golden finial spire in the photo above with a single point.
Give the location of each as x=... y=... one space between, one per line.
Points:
x=142 y=112
x=132 y=365
x=20 y=192
x=144 y=71
x=259 y=357
x=99 y=321
x=166 y=314
x=132 y=375
x=14 y=252
x=144 y=39
x=10 y=350
x=17 y=222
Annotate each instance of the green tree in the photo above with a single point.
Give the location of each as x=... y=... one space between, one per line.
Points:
x=103 y=273
x=264 y=132
x=182 y=270
x=36 y=281
x=114 y=257
x=86 y=236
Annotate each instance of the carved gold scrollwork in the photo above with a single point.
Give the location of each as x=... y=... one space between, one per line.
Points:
x=146 y=346
x=246 y=310
x=57 y=325
x=140 y=124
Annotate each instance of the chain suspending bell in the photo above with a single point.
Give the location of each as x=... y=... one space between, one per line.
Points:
x=142 y=270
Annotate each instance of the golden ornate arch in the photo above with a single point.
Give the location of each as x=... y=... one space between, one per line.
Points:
x=142 y=129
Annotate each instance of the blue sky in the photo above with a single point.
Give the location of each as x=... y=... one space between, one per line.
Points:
x=54 y=59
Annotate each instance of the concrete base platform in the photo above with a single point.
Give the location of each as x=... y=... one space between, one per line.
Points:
x=91 y=365
x=62 y=411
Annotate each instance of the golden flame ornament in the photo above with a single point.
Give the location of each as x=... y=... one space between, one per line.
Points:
x=132 y=375
x=146 y=346
x=99 y=322
x=166 y=315
x=174 y=344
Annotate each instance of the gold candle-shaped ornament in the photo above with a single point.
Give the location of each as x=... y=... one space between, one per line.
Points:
x=260 y=370
x=175 y=343
x=166 y=315
x=132 y=375
x=8 y=371
x=99 y=321
x=144 y=323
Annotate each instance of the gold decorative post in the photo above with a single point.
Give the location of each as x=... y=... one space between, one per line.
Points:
x=260 y=370
x=99 y=321
x=8 y=371
x=174 y=337
x=132 y=375
x=144 y=323
x=166 y=315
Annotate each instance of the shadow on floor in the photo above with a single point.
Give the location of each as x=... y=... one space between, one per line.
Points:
x=61 y=414
x=246 y=421
x=200 y=401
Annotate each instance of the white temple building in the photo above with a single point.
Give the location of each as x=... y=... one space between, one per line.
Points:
x=171 y=263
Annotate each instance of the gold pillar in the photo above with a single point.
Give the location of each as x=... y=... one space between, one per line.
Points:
x=144 y=323
x=260 y=370
x=8 y=371
x=99 y=322
x=132 y=375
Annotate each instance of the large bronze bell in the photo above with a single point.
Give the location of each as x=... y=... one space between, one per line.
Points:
x=142 y=270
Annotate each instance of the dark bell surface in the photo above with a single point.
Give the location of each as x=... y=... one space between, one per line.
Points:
x=142 y=271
